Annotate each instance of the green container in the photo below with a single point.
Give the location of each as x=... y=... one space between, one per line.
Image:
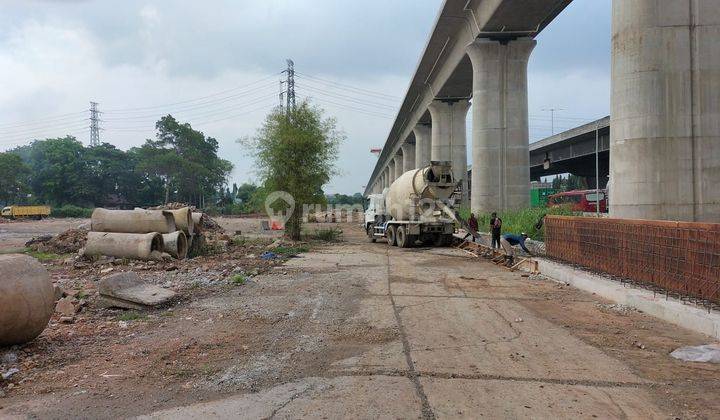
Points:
x=539 y=196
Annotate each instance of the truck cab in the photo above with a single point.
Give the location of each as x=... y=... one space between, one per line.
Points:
x=375 y=214
x=6 y=212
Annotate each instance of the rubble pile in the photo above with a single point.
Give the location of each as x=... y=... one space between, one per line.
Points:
x=68 y=242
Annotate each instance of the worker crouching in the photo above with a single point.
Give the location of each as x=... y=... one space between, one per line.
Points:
x=507 y=242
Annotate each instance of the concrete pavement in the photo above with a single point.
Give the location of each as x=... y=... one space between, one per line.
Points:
x=473 y=340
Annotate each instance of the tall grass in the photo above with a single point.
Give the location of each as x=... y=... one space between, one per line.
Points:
x=519 y=221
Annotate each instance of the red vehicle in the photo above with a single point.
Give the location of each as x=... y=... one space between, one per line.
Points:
x=584 y=200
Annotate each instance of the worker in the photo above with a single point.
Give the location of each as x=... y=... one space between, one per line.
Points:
x=507 y=241
x=495 y=228
x=472 y=223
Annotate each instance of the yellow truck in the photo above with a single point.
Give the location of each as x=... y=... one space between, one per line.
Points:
x=16 y=212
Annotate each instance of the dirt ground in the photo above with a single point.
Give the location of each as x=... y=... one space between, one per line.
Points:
x=356 y=330
x=14 y=233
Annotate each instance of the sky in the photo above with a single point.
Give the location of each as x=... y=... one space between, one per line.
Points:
x=217 y=65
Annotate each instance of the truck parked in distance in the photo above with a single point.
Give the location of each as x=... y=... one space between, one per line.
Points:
x=31 y=212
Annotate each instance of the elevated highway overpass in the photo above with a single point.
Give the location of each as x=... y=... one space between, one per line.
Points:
x=573 y=151
x=665 y=137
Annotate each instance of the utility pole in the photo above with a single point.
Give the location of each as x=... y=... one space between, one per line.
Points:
x=597 y=169
x=94 y=124
x=552 y=118
x=290 y=83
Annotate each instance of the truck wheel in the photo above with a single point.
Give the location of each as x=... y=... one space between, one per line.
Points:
x=403 y=239
x=370 y=230
x=390 y=235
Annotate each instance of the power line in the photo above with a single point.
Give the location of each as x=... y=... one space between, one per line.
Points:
x=352 y=108
x=42 y=120
x=213 y=113
x=349 y=98
x=366 y=91
x=190 y=114
x=130 y=110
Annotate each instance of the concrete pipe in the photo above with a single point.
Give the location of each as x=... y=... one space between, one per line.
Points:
x=197 y=221
x=124 y=245
x=132 y=221
x=26 y=299
x=184 y=220
x=176 y=244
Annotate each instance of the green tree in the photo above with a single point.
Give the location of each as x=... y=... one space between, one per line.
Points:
x=296 y=153
x=244 y=192
x=185 y=160
x=59 y=172
x=13 y=178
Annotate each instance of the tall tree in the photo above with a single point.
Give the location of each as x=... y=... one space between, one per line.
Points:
x=13 y=178
x=60 y=172
x=186 y=160
x=296 y=152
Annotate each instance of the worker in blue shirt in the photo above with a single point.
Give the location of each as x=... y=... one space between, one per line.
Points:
x=508 y=240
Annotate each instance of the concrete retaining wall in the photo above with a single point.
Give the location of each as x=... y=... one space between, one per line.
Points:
x=670 y=309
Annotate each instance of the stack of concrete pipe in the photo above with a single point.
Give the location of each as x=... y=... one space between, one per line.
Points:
x=140 y=234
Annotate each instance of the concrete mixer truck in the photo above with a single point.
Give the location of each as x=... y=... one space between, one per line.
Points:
x=414 y=208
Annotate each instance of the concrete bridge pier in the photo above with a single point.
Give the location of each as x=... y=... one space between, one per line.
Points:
x=665 y=126
x=500 y=155
x=391 y=172
x=398 y=163
x=408 y=157
x=423 y=145
x=448 y=136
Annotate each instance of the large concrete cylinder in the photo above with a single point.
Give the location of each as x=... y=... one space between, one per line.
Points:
x=197 y=222
x=132 y=221
x=429 y=184
x=176 y=244
x=665 y=127
x=26 y=299
x=183 y=220
x=124 y=245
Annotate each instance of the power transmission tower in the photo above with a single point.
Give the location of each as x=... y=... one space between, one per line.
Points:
x=290 y=90
x=282 y=94
x=94 y=124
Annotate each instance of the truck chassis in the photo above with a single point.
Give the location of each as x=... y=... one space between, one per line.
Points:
x=405 y=234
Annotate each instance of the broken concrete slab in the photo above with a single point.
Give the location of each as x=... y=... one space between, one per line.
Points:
x=66 y=307
x=127 y=290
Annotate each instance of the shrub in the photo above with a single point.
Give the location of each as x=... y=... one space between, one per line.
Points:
x=132 y=316
x=238 y=279
x=525 y=220
x=519 y=221
x=43 y=256
x=326 y=235
x=290 y=250
x=69 y=210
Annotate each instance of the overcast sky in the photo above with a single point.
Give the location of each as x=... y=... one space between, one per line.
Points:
x=216 y=65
